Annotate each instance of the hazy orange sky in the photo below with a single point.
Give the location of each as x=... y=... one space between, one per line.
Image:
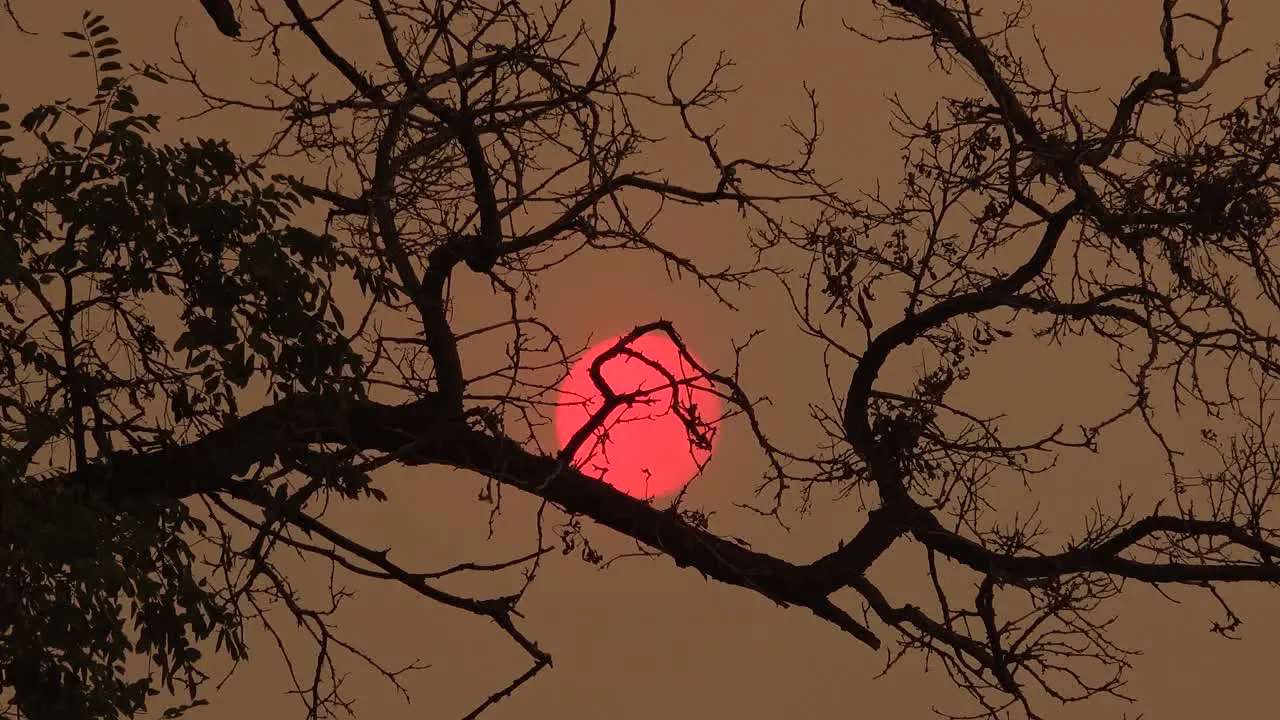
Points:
x=642 y=638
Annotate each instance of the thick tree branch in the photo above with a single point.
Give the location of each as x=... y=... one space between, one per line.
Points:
x=428 y=432
x=1104 y=557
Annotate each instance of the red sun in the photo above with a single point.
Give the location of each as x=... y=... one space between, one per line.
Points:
x=643 y=448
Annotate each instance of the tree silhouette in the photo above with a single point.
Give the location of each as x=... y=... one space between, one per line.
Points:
x=224 y=16
x=496 y=142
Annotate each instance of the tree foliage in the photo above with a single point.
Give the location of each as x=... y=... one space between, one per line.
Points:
x=494 y=140
x=100 y=236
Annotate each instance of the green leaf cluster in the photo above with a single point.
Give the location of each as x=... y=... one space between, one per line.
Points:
x=141 y=286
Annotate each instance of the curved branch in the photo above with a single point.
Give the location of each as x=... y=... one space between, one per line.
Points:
x=856 y=422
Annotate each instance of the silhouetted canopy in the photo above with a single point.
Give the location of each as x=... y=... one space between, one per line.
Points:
x=224 y=16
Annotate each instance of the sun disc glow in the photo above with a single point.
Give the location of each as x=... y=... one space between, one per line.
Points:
x=642 y=448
